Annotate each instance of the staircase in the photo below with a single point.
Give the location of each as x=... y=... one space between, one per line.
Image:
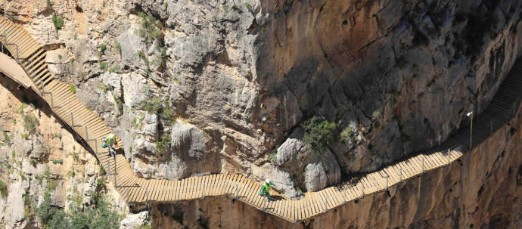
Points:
x=89 y=127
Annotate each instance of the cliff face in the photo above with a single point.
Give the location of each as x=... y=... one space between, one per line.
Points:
x=196 y=87
x=397 y=76
x=483 y=190
x=39 y=157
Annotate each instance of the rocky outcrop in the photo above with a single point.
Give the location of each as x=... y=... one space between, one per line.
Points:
x=395 y=76
x=40 y=157
x=313 y=171
x=481 y=190
x=134 y=221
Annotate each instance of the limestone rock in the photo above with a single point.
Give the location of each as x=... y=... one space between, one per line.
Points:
x=311 y=172
x=315 y=177
x=135 y=221
x=14 y=205
x=131 y=45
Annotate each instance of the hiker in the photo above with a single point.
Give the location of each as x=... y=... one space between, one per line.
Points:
x=265 y=189
x=109 y=141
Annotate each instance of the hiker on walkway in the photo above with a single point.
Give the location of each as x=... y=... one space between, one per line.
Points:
x=265 y=189
x=110 y=141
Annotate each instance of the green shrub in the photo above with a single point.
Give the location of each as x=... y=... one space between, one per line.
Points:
x=143 y=57
x=318 y=134
x=272 y=157
x=102 y=170
x=249 y=7
x=119 y=103
x=105 y=88
x=157 y=106
x=168 y=114
x=57 y=22
x=377 y=114
x=163 y=144
x=100 y=184
x=149 y=28
x=7 y=139
x=98 y=216
x=31 y=123
x=33 y=162
x=104 y=66
x=102 y=48
x=58 y=161
x=347 y=134
x=4 y=192
x=72 y=88
x=152 y=105
x=118 y=48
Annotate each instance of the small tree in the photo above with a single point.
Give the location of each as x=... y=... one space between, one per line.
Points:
x=318 y=134
x=57 y=22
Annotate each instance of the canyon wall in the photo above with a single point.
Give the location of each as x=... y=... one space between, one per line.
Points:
x=40 y=157
x=481 y=190
x=199 y=87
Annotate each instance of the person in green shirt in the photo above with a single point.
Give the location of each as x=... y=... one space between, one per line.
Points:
x=110 y=141
x=265 y=189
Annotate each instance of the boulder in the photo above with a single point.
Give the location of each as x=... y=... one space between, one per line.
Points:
x=133 y=221
x=310 y=171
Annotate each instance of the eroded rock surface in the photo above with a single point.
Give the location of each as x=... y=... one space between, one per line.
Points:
x=395 y=77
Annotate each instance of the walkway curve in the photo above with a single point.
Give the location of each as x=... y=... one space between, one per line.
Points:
x=135 y=190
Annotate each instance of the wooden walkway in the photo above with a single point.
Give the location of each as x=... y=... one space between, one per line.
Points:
x=86 y=124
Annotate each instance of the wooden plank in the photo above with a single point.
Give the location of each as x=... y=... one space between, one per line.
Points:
x=307 y=202
x=253 y=192
x=219 y=184
x=208 y=186
x=331 y=193
x=193 y=186
x=167 y=185
x=163 y=190
x=168 y=192
x=134 y=191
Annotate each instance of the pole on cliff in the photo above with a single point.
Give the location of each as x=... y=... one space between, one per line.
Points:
x=470 y=114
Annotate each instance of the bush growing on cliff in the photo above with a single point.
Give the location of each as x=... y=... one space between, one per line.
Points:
x=7 y=139
x=318 y=134
x=149 y=28
x=30 y=123
x=57 y=22
x=3 y=189
x=163 y=144
x=100 y=216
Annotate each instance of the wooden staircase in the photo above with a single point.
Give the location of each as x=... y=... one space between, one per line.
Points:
x=89 y=127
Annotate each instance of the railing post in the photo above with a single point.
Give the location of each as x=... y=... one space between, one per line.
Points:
x=423 y=158
x=387 y=176
x=447 y=156
x=236 y=190
x=326 y=204
x=362 y=191
x=400 y=175
x=115 y=171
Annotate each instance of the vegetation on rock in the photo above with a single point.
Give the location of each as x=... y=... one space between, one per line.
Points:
x=99 y=216
x=57 y=22
x=318 y=134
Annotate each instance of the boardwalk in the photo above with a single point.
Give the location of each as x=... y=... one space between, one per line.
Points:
x=34 y=73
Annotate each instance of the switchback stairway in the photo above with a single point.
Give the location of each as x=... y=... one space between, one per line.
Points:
x=28 y=54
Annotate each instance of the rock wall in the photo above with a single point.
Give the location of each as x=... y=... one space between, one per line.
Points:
x=198 y=87
x=482 y=190
x=40 y=156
